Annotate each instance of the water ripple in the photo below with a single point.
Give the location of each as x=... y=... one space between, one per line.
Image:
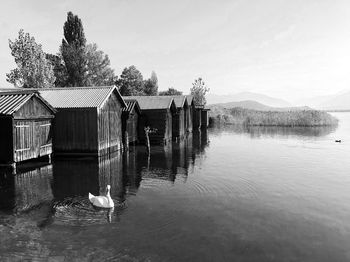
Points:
x=237 y=187
x=78 y=211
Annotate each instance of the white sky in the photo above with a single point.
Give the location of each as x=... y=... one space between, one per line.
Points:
x=282 y=48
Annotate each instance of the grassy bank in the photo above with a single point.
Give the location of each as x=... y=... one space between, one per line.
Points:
x=249 y=117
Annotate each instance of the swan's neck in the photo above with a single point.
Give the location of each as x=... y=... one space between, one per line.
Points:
x=108 y=195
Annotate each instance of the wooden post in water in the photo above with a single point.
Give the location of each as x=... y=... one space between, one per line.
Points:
x=148 y=146
x=148 y=131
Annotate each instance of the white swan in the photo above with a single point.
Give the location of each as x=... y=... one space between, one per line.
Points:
x=102 y=201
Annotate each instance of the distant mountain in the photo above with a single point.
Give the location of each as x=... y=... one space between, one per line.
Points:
x=314 y=101
x=337 y=102
x=244 y=104
x=247 y=96
x=248 y=104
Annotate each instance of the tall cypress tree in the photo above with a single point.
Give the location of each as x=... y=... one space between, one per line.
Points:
x=73 y=50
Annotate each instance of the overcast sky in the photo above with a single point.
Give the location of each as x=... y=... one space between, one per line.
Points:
x=282 y=48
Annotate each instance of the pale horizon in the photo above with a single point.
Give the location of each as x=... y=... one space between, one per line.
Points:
x=284 y=49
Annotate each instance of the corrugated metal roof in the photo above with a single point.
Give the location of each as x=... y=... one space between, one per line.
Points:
x=180 y=101
x=189 y=99
x=152 y=102
x=10 y=102
x=130 y=104
x=78 y=97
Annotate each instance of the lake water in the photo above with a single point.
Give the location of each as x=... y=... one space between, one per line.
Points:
x=229 y=194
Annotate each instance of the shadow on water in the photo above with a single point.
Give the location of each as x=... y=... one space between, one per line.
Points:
x=74 y=178
x=59 y=191
x=172 y=160
x=25 y=188
x=273 y=131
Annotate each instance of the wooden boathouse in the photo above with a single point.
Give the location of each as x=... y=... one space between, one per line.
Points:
x=180 y=118
x=197 y=117
x=130 y=117
x=25 y=121
x=190 y=112
x=88 y=119
x=157 y=113
x=205 y=117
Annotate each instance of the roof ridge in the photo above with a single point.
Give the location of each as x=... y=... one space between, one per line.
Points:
x=17 y=92
x=75 y=88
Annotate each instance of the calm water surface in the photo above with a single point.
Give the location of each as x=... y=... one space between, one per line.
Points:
x=230 y=194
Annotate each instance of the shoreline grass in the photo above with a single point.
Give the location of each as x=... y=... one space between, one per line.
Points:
x=250 y=117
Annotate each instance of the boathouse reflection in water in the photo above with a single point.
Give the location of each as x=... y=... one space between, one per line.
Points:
x=65 y=184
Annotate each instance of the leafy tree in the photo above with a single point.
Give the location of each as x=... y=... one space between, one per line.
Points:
x=59 y=69
x=170 y=92
x=98 y=67
x=33 y=70
x=151 y=85
x=73 y=50
x=130 y=82
x=198 y=91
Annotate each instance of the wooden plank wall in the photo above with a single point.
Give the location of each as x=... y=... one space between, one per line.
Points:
x=32 y=139
x=185 y=119
x=197 y=118
x=110 y=126
x=75 y=131
x=32 y=131
x=179 y=124
x=204 y=119
x=132 y=127
x=160 y=119
x=182 y=123
x=168 y=125
x=189 y=119
x=33 y=108
x=175 y=124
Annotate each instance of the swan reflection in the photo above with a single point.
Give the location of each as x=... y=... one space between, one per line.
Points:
x=58 y=192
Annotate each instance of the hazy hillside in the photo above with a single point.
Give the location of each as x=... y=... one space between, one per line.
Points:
x=247 y=96
x=339 y=102
x=244 y=104
x=255 y=106
x=314 y=102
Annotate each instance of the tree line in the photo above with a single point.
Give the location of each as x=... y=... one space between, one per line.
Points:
x=78 y=64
